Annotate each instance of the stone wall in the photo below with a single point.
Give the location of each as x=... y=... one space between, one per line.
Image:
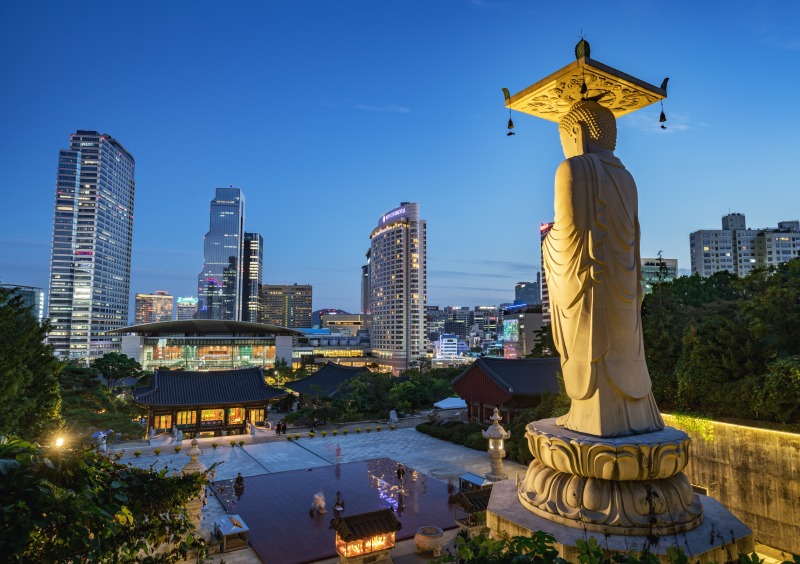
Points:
x=754 y=472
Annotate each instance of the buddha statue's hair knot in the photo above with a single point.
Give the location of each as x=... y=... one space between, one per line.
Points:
x=601 y=126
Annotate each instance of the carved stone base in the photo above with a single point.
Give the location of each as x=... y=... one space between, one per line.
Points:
x=636 y=507
x=719 y=538
x=631 y=485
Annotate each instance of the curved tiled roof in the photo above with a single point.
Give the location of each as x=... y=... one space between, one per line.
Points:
x=206 y=327
x=365 y=525
x=326 y=380
x=519 y=376
x=206 y=388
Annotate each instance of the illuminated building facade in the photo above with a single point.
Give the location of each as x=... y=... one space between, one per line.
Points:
x=90 y=262
x=656 y=270
x=286 y=305
x=153 y=308
x=207 y=344
x=219 y=285
x=740 y=250
x=253 y=256
x=527 y=293
x=398 y=286
x=32 y=298
x=185 y=308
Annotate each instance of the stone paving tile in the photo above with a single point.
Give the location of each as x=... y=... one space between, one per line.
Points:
x=284 y=455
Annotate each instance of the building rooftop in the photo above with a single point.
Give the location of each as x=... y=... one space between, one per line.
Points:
x=206 y=327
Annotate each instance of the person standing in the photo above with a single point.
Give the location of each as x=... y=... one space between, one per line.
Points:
x=401 y=474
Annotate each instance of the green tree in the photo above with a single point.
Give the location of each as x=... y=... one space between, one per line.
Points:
x=543 y=345
x=78 y=506
x=778 y=398
x=29 y=395
x=114 y=367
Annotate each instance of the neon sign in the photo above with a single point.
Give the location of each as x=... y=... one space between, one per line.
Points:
x=393 y=214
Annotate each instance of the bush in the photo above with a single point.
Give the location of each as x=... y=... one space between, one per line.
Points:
x=369 y=429
x=241 y=444
x=334 y=432
x=233 y=443
x=157 y=451
x=177 y=449
x=392 y=427
x=325 y=433
x=214 y=445
x=377 y=429
x=137 y=453
x=345 y=431
x=288 y=437
x=358 y=430
x=311 y=435
x=297 y=436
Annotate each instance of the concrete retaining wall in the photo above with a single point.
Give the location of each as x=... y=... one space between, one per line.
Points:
x=754 y=472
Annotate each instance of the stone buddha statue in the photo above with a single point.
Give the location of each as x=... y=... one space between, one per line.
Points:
x=591 y=259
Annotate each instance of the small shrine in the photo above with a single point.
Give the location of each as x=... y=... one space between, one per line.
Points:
x=366 y=537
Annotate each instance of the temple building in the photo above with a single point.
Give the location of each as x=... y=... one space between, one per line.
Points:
x=207 y=344
x=207 y=403
x=512 y=385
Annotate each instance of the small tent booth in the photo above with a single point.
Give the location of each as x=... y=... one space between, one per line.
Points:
x=232 y=531
x=206 y=403
x=366 y=537
x=469 y=506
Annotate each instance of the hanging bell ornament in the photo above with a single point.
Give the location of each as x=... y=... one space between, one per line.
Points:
x=663 y=118
x=510 y=123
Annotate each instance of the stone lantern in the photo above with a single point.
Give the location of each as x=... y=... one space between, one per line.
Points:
x=194 y=507
x=496 y=435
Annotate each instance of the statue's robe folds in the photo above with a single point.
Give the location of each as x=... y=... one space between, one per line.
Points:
x=593 y=274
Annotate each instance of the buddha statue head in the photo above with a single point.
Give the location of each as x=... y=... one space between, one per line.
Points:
x=588 y=127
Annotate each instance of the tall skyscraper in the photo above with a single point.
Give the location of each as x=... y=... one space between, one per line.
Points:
x=153 y=308
x=252 y=271
x=286 y=305
x=398 y=287
x=219 y=285
x=90 y=263
x=185 y=308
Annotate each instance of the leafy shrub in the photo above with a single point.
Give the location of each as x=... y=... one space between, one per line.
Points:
x=369 y=429
x=297 y=436
x=311 y=435
x=325 y=433
x=241 y=444
x=157 y=451
x=345 y=431
x=334 y=432
x=233 y=443
x=392 y=427
x=137 y=453
x=377 y=429
x=358 y=430
x=214 y=445
x=178 y=448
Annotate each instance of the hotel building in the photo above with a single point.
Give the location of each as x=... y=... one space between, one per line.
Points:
x=286 y=305
x=90 y=262
x=398 y=286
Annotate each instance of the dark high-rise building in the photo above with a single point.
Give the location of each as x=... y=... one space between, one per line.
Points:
x=252 y=271
x=153 y=308
x=397 y=285
x=32 y=298
x=219 y=285
x=527 y=293
x=90 y=262
x=286 y=305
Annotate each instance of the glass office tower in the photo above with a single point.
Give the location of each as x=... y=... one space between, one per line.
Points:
x=253 y=254
x=90 y=263
x=397 y=287
x=219 y=285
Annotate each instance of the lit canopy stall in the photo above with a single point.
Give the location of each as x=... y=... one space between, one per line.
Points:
x=472 y=503
x=366 y=537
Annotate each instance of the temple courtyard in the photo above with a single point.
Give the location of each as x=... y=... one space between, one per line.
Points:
x=281 y=478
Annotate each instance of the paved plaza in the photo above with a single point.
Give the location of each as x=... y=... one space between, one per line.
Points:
x=294 y=462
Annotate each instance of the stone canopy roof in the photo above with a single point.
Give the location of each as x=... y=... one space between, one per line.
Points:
x=519 y=376
x=365 y=525
x=326 y=380
x=472 y=502
x=207 y=388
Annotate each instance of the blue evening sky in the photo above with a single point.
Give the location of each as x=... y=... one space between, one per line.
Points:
x=328 y=114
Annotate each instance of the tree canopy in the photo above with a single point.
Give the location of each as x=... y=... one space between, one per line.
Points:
x=29 y=394
x=63 y=505
x=724 y=345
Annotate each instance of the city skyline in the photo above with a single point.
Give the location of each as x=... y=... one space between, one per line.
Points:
x=319 y=142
